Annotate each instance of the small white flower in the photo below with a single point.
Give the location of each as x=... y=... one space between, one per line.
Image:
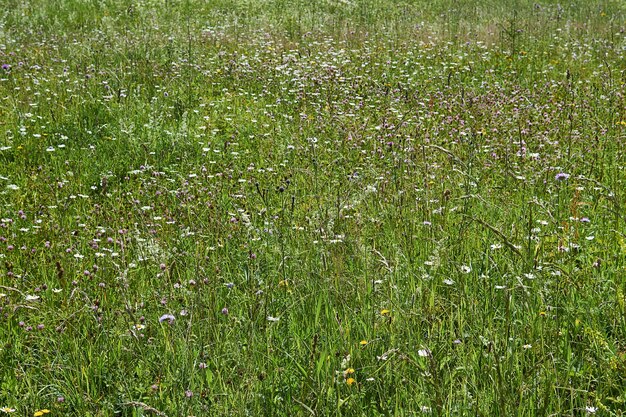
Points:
x=13 y=187
x=273 y=319
x=466 y=269
x=32 y=297
x=591 y=410
x=345 y=361
x=424 y=353
x=448 y=281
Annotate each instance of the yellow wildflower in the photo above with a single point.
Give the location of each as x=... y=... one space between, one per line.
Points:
x=350 y=381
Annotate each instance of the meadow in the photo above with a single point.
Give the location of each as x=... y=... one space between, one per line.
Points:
x=312 y=208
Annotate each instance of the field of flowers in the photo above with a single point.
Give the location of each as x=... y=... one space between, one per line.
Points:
x=312 y=208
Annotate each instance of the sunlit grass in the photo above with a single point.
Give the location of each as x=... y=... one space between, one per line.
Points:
x=312 y=208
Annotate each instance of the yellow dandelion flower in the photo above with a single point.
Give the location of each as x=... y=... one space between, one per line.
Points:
x=350 y=381
x=542 y=313
x=349 y=371
x=41 y=412
x=363 y=342
x=385 y=312
x=283 y=283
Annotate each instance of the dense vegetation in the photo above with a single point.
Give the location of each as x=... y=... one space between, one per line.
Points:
x=312 y=207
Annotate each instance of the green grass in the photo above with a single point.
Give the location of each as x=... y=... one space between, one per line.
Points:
x=359 y=208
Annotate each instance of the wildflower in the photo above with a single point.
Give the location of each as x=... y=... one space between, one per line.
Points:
x=423 y=353
x=170 y=318
x=7 y=410
x=189 y=393
x=41 y=412
x=350 y=381
x=363 y=342
x=385 y=312
x=561 y=176
x=225 y=311
x=591 y=410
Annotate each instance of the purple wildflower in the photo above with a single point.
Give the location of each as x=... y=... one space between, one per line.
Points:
x=561 y=176
x=169 y=317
